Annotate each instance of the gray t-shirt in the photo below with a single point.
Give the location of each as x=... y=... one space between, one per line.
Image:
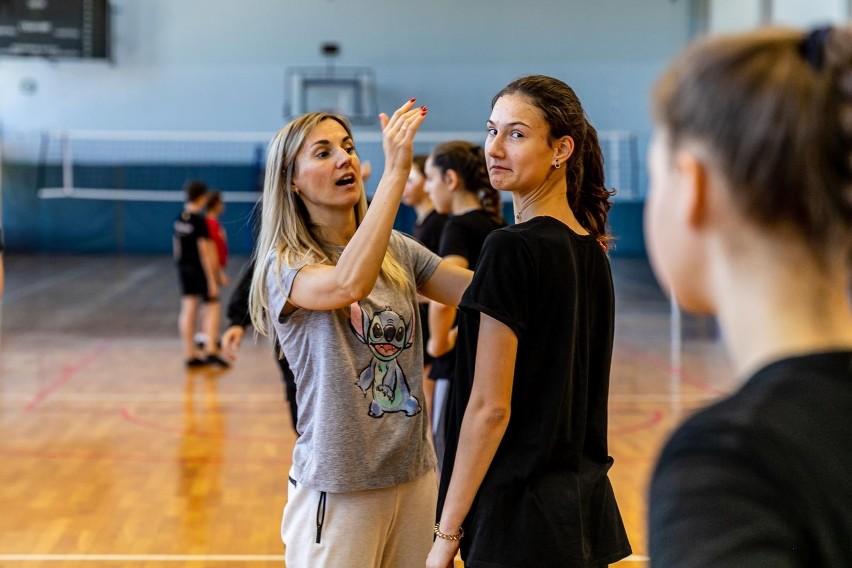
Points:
x=359 y=377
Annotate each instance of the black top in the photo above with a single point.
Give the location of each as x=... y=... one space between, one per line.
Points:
x=189 y=227
x=429 y=230
x=463 y=236
x=763 y=477
x=546 y=499
x=238 y=304
x=1 y=238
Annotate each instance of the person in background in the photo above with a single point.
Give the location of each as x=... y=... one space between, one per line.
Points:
x=338 y=287
x=197 y=265
x=749 y=217
x=214 y=208
x=524 y=481
x=238 y=320
x=427 y=228
x=457 y=183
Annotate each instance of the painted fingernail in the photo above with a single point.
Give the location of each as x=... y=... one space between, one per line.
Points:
x=412 y=100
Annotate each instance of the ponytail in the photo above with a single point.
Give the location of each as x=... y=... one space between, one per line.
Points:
x=492 y=203
x=468 y=161
x=837 y=58
x=587 y=194
x=489 y=197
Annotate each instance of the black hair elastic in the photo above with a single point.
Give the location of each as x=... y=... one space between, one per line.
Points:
x=812 y=47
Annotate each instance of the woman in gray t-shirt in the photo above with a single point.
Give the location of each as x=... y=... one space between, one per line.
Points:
x=339 y=288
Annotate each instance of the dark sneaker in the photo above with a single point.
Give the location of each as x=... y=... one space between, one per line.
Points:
x=195 y=362
x=218 y=361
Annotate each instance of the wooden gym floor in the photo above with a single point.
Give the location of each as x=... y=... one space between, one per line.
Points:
x=112 y=454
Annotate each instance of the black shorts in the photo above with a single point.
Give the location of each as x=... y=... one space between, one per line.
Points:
x=193 y=282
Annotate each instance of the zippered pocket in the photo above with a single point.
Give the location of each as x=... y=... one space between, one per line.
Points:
x=320 y=514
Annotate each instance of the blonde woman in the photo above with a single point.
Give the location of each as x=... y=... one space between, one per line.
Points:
x=341 y=289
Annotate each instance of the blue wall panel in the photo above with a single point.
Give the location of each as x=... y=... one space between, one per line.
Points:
x=100 y=226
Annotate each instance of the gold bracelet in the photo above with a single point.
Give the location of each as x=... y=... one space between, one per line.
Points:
x=439 y=534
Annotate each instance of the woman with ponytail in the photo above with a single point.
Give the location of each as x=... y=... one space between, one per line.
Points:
x=457 y=182
x=749 y=218
x=524 y=481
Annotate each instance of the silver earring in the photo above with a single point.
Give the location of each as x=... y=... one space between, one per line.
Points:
x=556 y=164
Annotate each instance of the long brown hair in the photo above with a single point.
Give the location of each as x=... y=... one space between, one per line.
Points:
x=584 y=172
x=468 y=161
x=774 y=110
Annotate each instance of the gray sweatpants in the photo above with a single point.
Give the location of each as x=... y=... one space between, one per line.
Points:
x=378 y=528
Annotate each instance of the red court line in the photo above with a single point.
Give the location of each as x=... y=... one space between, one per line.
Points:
x=663 y=365
x=129 y=417
x=66 y=375
x=655 y=419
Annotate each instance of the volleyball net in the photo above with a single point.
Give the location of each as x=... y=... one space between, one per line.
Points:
x=153 y=165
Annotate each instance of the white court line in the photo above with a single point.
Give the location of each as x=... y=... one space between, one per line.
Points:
x=119 y=397
x=142 y=557
x=175 y=558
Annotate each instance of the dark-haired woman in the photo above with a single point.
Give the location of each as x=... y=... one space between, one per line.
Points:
x=427 y=228
x=525 y=472
x=750 y=218
x=457 y=183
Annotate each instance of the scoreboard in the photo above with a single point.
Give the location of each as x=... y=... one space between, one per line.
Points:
x=76 y=29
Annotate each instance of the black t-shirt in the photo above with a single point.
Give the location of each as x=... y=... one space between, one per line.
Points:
x=763 y=477
x=238 y=304
x=463 y=236
x=189 y=227
x=546 y=499
x=429 y=230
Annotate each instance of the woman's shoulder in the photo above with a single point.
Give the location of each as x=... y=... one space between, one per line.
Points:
x=400 y=240
x=404 y=244
x=506 y=243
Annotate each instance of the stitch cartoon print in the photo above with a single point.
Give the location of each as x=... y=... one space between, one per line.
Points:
x=387 y=335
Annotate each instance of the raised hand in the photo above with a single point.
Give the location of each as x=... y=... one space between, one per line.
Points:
x=398 y=135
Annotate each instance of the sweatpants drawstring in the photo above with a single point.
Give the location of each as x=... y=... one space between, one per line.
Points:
x=320 y=515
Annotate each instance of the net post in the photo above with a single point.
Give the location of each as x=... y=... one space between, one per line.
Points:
x=67 y=165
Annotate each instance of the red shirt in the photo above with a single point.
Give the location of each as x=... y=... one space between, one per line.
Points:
x=217 y=233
